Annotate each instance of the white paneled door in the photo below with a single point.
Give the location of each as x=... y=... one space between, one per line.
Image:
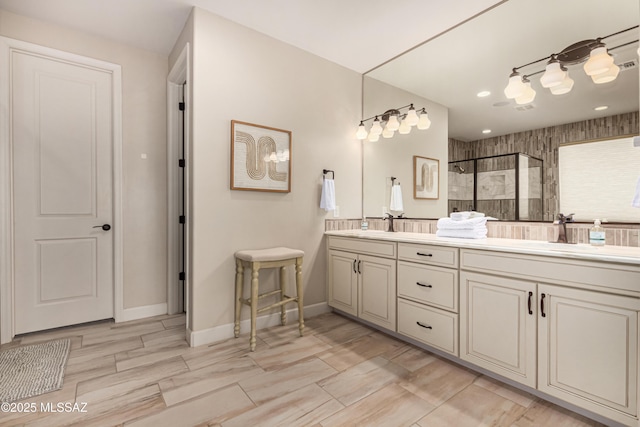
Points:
x=62 y=142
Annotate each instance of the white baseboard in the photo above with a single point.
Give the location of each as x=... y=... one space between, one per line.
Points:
x=223 y=332
x=136 y=313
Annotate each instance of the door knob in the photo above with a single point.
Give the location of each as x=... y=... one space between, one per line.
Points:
x=105 y=227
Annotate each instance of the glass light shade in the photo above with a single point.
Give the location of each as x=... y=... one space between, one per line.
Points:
x=515 y=88
x=553 y=75
x=266 y=158
x=286 y=154
x=527 y=96
x=376 y=128
x=273 y=157
x=412 y=117
x=362 y=132
x=599 y=61
x=607 y=76
x=564 y=87
x=393 y=123
x=404 y=128
x=386 y=133
x=424 y=122
x=373 y=137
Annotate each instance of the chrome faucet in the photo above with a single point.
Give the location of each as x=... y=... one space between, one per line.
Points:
x=562 y=232
x=390 y=218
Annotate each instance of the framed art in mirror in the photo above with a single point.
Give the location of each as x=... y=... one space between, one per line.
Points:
x=260 y=158
x=426 y=180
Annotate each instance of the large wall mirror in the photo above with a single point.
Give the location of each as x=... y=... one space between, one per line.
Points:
x=449 y=72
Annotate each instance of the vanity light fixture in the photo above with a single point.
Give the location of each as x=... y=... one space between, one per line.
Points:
x=483 y=94
x=387 y=123
x=598 y=64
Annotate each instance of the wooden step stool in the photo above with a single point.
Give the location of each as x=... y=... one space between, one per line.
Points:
x=267 y=258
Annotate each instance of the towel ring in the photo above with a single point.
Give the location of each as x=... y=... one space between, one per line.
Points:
x=326 y=171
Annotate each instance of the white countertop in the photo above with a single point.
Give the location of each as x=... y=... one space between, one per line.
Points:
x=617 y=254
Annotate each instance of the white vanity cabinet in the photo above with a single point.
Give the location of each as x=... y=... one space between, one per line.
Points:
x=581 y=316
x=428 y=295
x=563 y=321
x=588 y=349
x=498 y=325
x=362 y=279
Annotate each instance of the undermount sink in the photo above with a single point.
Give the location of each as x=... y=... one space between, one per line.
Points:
x=559 y=246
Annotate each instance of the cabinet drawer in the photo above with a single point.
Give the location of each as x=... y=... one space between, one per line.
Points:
x=364 y=246
x=431 y=285
x=439 y=328
x=557 y=270
x=429 y=254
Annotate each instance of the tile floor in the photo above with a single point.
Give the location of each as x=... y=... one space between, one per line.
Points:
x=341 y=373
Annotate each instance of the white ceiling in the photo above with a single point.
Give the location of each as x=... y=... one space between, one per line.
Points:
x=358 y=34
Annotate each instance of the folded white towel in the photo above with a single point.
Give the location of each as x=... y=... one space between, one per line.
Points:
x=636 y=198
x=396 y=199
x=457 y=216
x=476 y=233
x=328 y=198
x=463 y=224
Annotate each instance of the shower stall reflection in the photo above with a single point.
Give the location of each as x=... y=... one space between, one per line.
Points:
x=506 y=187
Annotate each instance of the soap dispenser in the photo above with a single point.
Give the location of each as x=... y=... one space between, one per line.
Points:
x=596 y=234
x=365 y=224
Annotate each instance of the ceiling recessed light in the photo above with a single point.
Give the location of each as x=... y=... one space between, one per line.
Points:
x=483 y=94
x=601 y=107
x=486 y=131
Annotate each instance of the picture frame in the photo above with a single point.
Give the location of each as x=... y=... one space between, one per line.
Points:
x=260 y=158
x=426 y=178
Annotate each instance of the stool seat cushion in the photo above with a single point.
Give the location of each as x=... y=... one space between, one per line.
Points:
x=271 y=254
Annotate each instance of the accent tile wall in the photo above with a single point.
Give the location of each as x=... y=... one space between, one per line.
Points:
x=544 y=143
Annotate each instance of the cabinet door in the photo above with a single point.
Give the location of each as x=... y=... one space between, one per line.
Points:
x=343 y=281
x=588 y=349
x=498 y=325
x=377 y=291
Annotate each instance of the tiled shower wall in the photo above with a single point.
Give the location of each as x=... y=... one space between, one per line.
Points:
x=543 y=144
x=615 y=234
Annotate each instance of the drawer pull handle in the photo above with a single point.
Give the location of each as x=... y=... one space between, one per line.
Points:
x=542 y=306
x=359 y=272
x=354 y=265
x=423 y=285
x=529 y=302
x=424 y=326
x=421 y=254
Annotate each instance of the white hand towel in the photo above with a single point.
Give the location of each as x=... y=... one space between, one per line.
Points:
x=328 y=198
x=463 y=224
x=396 y=199
x=636 y=198
x=476 y=233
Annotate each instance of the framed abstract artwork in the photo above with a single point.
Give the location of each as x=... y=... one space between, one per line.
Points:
x=260 y=158
x=426 y=182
